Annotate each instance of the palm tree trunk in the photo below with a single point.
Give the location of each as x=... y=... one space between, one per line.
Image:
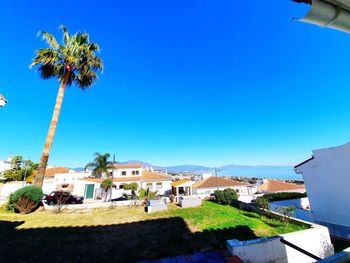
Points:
x=39 y=177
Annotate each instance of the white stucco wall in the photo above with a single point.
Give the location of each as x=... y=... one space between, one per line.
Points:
x=10 y=188
x=129 y=172
x=68 y=178
x=240 y=190
x=327 y=180
x=166 y=186
x=4 y=165
x=79 y=187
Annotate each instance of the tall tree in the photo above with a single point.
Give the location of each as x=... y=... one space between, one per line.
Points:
x=74 y=62
x=100 y=164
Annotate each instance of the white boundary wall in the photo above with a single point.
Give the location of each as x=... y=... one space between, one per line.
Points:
x=315 y=240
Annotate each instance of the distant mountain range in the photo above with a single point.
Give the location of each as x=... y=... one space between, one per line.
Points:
x=261 y=171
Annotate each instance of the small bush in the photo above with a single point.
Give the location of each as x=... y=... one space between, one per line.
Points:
x=263 y=202
x=287 y=212
x=226 y=197
x=106 y=184
x=132 y=186
x=25 y=199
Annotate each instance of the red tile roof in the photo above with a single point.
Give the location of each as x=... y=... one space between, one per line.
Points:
x=213 y=181
x=182 y=181
x=152 y=176
x=272 y=186
x=50 y=172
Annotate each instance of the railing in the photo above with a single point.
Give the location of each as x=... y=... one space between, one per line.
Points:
x=299 y=249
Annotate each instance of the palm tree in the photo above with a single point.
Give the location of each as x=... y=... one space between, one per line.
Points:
x=100 y=165
x=72 y=62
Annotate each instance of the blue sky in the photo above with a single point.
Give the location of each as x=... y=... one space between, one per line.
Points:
x=185 y=82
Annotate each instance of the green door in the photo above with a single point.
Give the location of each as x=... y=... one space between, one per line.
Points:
x=89 y=191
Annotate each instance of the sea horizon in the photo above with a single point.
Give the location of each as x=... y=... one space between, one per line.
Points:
x=277 y=172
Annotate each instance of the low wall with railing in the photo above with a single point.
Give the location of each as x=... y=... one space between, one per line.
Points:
x=315 y=240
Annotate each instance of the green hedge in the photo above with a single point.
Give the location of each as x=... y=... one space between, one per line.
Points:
x=284 y=196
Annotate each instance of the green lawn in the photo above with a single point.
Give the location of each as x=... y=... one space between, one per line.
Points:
x=128 y=234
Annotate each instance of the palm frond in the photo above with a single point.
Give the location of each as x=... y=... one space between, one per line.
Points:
x=47 y=71
x=77 y=56
x=50 y=39
x=66 y=36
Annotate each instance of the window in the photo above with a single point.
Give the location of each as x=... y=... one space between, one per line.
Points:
x=133 y=172
x=124 y=173
x=159 y=186
x=137 y=172
x=149 y=185
x=121 y=186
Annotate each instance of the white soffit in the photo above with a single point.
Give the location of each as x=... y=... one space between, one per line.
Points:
x=333 y=14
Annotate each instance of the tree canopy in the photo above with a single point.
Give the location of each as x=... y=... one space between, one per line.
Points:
x=100 y=164
x=75 y=56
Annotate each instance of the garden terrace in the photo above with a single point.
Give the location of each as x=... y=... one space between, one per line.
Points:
x=127 y=234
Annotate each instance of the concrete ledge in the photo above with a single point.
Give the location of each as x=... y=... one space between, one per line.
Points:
x=189 y=201
x=341 y=257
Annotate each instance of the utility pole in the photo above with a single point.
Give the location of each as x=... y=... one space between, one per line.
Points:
x=25 y=172
x=216 y=175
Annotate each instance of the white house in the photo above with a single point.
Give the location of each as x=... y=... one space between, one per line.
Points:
x=125 y=174
x=327 y=178
x=5 y=165
x=212 y=183
x=56 y=178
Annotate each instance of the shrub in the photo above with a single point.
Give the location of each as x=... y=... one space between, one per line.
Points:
x=287 y=212
x=25 y=199
x=262 y=202
x=226 y=197
x=132 y=186
x=147 y=194
x=107 y=184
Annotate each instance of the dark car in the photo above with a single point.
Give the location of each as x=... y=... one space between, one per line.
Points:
x=62 y=197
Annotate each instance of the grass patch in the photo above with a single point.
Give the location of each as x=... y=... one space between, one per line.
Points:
x=126 y=234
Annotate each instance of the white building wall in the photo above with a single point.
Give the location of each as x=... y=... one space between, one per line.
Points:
x=128 y=172
x=327 y=180
x=79 y=187
x=11 y=187
x=68 y=178
x=164 y=189
x=266 y=250
x=240 y=190
x=4 y=165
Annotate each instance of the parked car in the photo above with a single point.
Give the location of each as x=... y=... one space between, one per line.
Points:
x=62 y=197
x=124 y=198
